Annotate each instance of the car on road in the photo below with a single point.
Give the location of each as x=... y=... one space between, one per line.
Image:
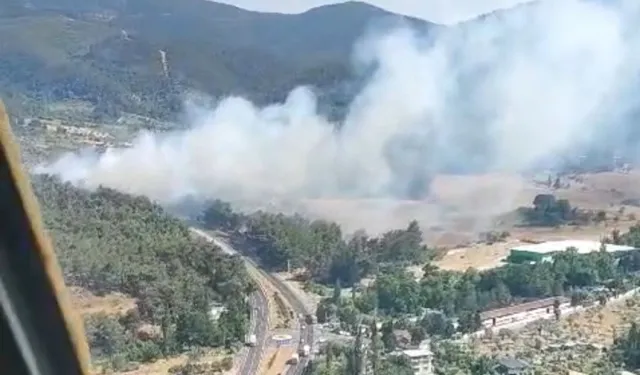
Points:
x=251 y=340
x=295 y=358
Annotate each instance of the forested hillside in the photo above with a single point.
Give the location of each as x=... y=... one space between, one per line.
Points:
x=111 y=52
x=108 y=241
x=318 y=246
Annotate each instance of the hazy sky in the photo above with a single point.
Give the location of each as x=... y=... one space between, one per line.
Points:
x=441 y=11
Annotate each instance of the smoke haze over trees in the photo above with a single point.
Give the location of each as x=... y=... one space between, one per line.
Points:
x=505 y=92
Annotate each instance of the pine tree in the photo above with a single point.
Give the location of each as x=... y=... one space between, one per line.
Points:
x=376 y=345
x=337 y=292
x=358 y=352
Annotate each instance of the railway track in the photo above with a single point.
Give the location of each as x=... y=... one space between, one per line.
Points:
x=250 y=363
x=299 y=309
x=296 y=304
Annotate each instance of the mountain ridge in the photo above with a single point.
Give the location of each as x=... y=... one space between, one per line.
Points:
x=108 y=52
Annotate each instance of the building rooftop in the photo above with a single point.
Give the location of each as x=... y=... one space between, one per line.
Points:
x=513 y=363
x=417 y=353
x=582 y=246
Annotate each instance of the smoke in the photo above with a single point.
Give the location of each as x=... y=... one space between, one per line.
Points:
x=500 y=94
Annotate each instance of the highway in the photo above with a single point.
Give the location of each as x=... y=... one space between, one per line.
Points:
x=250 y=362
x=299 y=309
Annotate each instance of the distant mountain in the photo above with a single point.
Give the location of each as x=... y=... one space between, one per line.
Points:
x=110 y=52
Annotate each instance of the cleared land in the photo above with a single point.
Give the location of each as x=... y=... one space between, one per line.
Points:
x=88 y=303
x=615 y=193
x=275 y=360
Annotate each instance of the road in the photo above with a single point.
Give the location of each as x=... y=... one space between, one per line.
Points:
x=299 y=309
x=250 y=363
x=287 y=294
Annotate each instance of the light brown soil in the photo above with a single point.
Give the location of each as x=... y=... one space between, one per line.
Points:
x=282 y=355
x=602 y=191
x=112 y=304
x=162 y=366
x=478 y=256
x=486 y=256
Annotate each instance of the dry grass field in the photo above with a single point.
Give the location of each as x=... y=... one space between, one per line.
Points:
x=88 y=303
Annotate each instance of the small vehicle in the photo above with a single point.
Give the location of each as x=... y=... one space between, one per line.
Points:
x=295 y=358
x=251 y=340
x=305 y=351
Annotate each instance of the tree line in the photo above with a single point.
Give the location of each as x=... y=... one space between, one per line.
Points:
x=548 y=211
x=108 y=241
x=320 y=247
x=450 y=301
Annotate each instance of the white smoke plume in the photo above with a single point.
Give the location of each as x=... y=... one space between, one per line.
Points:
x=500 y=94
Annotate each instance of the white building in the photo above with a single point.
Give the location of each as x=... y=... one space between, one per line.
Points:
x=545 y=251
x=421 y=360
x=216 y=311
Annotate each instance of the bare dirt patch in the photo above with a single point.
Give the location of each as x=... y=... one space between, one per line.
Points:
x=88 y=303
x=275 y=360
x=611 y=192
x=478 y=256
x=162 y=366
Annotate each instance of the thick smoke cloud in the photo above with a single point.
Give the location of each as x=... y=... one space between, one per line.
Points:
x=502 y=93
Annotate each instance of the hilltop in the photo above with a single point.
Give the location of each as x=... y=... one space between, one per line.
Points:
x=142 y=56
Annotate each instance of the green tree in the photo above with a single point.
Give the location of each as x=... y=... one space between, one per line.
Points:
x=108 y=241
x=337 y=293
x=418 y=335
x=627 y=348
x=105 y=335
x=388 y=339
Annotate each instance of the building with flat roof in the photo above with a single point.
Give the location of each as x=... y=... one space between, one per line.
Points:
x=421 y=360
x=513 y=366
x=544 y=251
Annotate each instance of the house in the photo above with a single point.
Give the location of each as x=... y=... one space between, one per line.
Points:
x=524 y=312
x=421 y=360
x=513 y=366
